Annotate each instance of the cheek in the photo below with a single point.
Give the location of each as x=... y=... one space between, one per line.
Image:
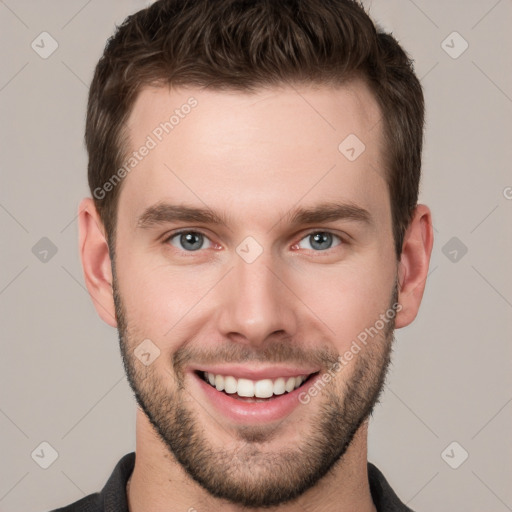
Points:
x=349 y=299
x=158 y=298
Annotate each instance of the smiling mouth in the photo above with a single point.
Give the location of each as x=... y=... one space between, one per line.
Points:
x=254 y=390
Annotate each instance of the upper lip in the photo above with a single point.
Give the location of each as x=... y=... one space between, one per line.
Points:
x=255 y=372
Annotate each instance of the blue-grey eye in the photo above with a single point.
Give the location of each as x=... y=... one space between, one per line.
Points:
x=320 y=241
x=189 y=240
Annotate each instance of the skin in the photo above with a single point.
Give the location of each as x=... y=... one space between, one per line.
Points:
x=254 y=157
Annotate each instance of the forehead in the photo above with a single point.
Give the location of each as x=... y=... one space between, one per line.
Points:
x=276 y=146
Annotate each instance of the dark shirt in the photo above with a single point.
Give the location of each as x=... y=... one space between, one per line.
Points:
x=113 y=496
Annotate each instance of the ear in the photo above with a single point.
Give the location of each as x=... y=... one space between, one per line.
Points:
x=413 y=265
x=96 y=262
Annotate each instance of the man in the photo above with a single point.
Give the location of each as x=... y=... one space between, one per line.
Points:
x=254 y=235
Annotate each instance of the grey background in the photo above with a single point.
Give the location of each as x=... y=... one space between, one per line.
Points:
x=61 y=376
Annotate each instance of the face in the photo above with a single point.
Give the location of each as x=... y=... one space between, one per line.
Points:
x=253 y=254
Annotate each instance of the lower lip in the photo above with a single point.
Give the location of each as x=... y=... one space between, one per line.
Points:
x=244 y=412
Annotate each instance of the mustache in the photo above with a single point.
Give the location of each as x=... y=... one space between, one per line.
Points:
x=274 y=352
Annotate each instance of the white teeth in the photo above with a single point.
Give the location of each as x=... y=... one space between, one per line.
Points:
x=230 y=384
x=245 y=387
x=279 y=386
x=264 y=388
x=219 y=382
x=290 y=384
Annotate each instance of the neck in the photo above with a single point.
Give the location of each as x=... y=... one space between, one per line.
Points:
x=159 y=483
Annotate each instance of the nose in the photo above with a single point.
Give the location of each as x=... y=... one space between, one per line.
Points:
x=256 y=303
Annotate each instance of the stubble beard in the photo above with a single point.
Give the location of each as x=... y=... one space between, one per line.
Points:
x=250 y=476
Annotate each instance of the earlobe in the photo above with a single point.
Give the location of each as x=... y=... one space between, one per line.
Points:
x=96 y=262
x=414 y=264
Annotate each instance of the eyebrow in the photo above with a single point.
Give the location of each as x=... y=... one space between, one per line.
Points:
x=162 y=213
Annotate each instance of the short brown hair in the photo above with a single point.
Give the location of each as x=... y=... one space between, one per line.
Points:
x=245 y=44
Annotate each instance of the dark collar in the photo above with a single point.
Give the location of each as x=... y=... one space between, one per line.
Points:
x=113 y=495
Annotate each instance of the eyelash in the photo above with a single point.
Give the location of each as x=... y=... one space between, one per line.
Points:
x=174 y=234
